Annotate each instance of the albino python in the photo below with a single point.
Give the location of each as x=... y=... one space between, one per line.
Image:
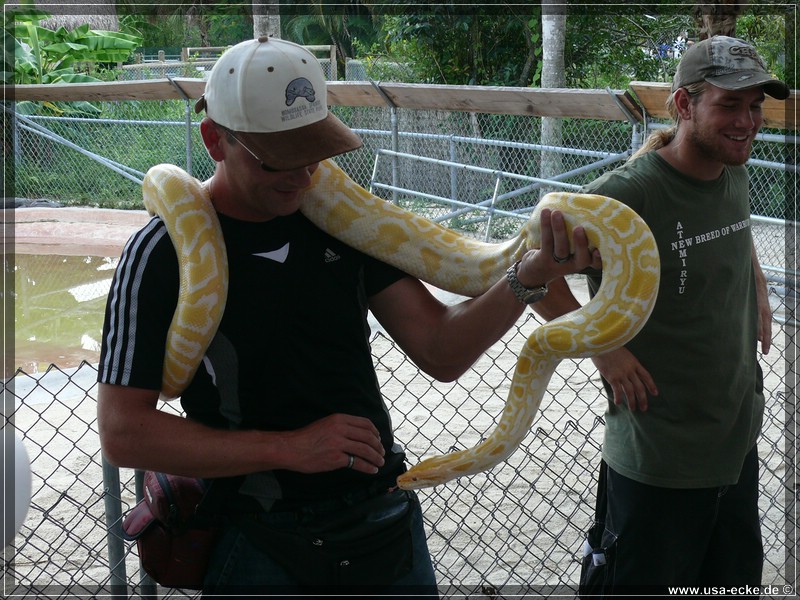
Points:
x=433 y=254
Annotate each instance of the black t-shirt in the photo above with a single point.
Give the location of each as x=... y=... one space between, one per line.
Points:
x=292 y=347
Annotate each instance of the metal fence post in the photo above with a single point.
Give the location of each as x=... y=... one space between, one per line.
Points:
x=453 y=170
x=147 y=587
x=395 y=133
x=116 y=549
x=188 y=102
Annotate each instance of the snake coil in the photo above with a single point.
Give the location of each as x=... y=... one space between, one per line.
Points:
x=434 y=254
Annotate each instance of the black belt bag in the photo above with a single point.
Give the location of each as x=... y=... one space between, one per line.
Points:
x=366 y=544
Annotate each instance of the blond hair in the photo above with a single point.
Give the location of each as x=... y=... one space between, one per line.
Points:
x=661 y=137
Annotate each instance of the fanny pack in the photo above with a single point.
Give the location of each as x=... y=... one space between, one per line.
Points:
x=173 y=529
x=366 y=544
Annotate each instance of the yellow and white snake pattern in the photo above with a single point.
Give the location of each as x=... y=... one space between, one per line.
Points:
x=432 y=253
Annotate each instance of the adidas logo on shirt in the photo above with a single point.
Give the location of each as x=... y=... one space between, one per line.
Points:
x=331 y=256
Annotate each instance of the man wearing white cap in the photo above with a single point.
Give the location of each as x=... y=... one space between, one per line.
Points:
x=677 y=496
x=287 y=398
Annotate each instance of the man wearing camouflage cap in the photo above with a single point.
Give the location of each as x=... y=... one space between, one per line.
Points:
x=678 y=482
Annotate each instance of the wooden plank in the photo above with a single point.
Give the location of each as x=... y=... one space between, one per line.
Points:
x=559 y=102
x=74 y=231
x=355 y=93
x=652 y=96
x=551 y=102
x=150 y=89
x=630 y=104
x=584 y=104
x=781 y=114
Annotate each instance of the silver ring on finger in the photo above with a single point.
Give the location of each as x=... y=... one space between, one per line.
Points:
x=351 y=461
x=561 y=259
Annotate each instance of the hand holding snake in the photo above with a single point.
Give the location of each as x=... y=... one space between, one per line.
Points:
x=431 y=253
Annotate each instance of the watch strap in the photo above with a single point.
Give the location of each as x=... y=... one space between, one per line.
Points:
x=524 y=294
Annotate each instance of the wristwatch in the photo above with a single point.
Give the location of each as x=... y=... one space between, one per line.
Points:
x=523 y=294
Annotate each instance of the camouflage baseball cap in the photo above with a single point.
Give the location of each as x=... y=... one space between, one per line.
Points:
x=728 y=63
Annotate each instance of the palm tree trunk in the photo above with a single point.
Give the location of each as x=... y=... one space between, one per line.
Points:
x=103 y=14
x=554 y=23
x=266 y=19
x=717 y=17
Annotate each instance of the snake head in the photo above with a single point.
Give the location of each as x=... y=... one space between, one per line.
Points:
x=437 y=470
x=408 y=481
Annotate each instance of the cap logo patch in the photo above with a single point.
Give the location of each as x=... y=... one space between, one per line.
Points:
x=746 y=51
x=299 y=88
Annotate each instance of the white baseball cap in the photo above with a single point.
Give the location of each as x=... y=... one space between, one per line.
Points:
x=272 y=94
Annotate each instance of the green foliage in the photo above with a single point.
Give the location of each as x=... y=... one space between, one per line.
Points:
x=43 y=56
x=343 y=30
x=610 y=49
x=132 y=139
x=768 y=32
x=350 y=29
x=471 y=49
x=171 y=26
x=379 y=66
x=229 y=29
x=605 y=46
x=616 y=49
x=601 y=50
x=536 y=50
x=49 y=56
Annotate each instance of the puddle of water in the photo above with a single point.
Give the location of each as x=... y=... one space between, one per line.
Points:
x=59 y=304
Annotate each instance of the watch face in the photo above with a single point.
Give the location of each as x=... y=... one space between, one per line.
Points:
x=523 y=294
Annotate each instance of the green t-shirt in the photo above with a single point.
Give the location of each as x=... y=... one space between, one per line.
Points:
x=700 y=342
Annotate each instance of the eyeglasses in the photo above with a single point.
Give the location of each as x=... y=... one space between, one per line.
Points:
x=264 y=167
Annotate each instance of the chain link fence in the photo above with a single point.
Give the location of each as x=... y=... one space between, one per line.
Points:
x=515 y=530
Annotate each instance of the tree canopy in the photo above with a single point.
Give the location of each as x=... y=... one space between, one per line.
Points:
x=491 y=44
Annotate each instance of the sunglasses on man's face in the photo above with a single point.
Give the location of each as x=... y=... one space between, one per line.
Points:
x=264 y=166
